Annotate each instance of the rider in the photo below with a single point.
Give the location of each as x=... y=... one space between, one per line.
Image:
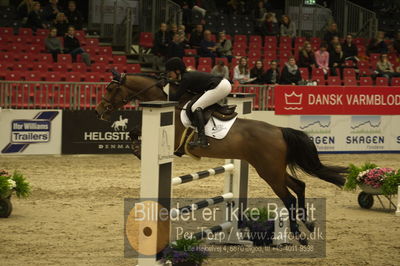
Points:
x=212 y=88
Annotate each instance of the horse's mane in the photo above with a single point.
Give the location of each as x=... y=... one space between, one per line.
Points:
x=147 y=75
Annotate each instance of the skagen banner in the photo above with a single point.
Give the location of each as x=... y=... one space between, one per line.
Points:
x=83 y=133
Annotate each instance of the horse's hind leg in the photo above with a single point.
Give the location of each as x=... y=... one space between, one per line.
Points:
x=276 y=178
x=299 y=187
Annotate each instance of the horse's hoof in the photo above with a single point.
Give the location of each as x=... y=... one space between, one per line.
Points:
x=310 y=226
x=302 y=240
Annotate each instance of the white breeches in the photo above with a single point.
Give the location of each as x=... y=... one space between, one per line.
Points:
x=213 y=96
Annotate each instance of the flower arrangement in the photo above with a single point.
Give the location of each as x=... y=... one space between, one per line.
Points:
x=15 y=182
x=385 y=179
x=261 y=226
x=184 y=252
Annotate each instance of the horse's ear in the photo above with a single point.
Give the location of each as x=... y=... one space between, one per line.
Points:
x=116 y=74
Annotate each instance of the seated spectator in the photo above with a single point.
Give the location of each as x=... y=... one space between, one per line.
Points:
x=336 y=61
x=270 y=26
x=23 y=10
x=331 y=32
x=51 y=10
x=173 y=28
x=272 y=75
x=176 y=48
x=307 y=57
x=377 y=45
x=288 y=28
x=73 y=47
x=384 y=68
x=257 y=73
x=75 y=17
x=290 y=73
x=350 y=49
x=197 y=36
x=241 y=72
x=220 y=70
x=224 y=47
x=61 y=24
x=332 y=45
x=53 y=44
x=208 y=48
x=35 y=18
x=322 y=58
x=396 y=42
x=161 y=41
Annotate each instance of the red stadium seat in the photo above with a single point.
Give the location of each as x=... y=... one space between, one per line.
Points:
x=256 y=53
x=99 y=67
x=59 y=67
x=270 y=46
x=146 y=40
x=366 y=81
x=45 y=58
x=11 y=75
x=19 y=66
x=42 y=32
x=285 y=40
x=319 y=79
x=304 y=73
x=224 y=59
x=6 y=31
x=93 y=77
x=239 y=46
x=204 y=68
x=205 y=61
x=255 y=39
x=33 y=76
x=190 y=52
x=133 y=68
x=64 y=58
x=105 y=50
x=43 y=67
x=317 y=72
x=334 y=81
x=73 y=76
x=189 y=61
x=54 y=76
x=239 y=52
x=240 y=38
x=315 y=40
x=270 y=40
x=25 y=31
x=79 y=67
x=119 y=59
x=119 y=67
x=364 y=71
x=349 y=72
x=381 y=81
x=374 y=57
x=92 y=42
x=255 y=46
x=350 y=81
x=395 y=82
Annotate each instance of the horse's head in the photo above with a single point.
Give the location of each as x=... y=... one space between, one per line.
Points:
x=123 y=89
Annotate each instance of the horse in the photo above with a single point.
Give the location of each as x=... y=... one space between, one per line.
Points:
x=271 y=150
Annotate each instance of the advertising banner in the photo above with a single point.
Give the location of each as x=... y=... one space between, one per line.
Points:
x=83 y=133
x=336 y=100
x=346 y=133
x=30 y=131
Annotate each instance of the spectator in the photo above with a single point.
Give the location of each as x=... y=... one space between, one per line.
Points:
x=331 y=32
x=290 y=73
x=257 y=73
x=336 y=61
x=288 y=28
x=75 y=17
x=61 y=24
x=322 y=58
x=241 y=72
x=197 y=36
x=176 y=48
x=220 y=70
x=35 y=18
x=384 y=68
x=332 y=45
x=396 y=43
x=224 y=46
x=259 y=15
x=307 y=57
x=173 y=28
x=51 y=10
x=269 y=26
x=377 y=45
x=272 y=75
x=208 y=48
x=350 y=49
x=53 y=44
x=161 y=40
x=73 y=47
x=23 y=10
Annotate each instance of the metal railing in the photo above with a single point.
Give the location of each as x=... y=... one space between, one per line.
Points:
x=311 y=20
x=86 y=95
x=354 y=19
x=154 y=12
x=114 y=20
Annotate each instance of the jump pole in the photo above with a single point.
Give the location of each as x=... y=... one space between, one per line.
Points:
x=398 y=201
x=156 y=173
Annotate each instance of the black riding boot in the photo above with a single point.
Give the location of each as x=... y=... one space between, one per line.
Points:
x=199 y=123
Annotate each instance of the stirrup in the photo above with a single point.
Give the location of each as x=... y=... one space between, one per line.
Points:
x=199 y=142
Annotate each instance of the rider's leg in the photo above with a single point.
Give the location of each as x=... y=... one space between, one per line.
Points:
x=208 y=98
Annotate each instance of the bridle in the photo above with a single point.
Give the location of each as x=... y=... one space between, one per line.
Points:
x=113 y=106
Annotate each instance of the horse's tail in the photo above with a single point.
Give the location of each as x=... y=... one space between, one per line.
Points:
x=302 y=153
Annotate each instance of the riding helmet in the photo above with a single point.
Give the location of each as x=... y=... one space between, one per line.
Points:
x=175 y=63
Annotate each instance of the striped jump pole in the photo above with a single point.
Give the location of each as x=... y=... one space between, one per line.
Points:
x=398 y=201
x=202 y=174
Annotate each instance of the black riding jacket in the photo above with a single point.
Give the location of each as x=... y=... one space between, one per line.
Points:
x=195 y=82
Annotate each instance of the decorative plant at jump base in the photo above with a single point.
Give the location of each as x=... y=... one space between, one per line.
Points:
x=184 y=252
x=370 y=176
x=261 y=225
x=8 y=184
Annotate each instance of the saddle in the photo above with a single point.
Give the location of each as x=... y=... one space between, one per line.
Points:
x=221 y=112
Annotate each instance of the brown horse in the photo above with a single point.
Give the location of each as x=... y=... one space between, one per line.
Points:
x=269 y=149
